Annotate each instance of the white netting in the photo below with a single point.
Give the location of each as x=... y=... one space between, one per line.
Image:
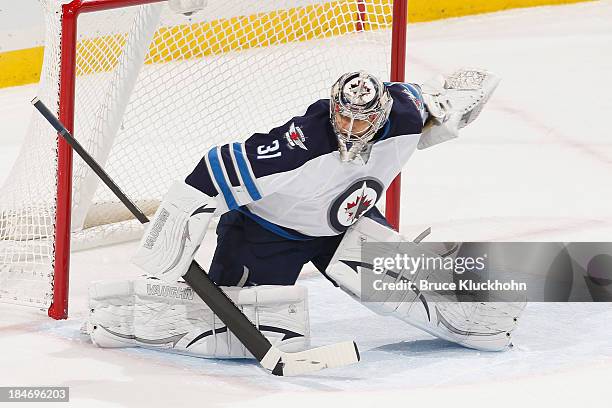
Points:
x=219 y=75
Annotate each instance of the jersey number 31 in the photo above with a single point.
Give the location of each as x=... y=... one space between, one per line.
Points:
x=267 y=151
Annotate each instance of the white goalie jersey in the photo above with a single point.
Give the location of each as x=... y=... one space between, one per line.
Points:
x=291 y=180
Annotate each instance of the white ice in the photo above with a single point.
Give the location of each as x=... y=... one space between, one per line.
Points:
x=535 y=166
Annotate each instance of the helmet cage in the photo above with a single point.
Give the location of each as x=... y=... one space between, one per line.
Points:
x=358 y=96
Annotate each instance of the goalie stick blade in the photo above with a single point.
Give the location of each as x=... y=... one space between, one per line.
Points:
x=308 y=361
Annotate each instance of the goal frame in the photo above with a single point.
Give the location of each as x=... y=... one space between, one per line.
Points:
x=70 y=13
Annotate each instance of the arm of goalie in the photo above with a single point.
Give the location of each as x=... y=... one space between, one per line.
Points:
x=175 y=233
x=453 y=102
x=479 y=325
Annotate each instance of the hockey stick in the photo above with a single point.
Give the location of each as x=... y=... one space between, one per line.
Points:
x=270 y=357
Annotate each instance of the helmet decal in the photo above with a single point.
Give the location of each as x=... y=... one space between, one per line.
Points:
x=360 y=105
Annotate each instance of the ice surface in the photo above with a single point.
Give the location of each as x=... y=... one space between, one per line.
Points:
x=536 y=165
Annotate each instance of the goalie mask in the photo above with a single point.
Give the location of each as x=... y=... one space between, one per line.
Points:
x=359 y=107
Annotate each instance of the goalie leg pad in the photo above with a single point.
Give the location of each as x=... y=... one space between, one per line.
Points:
x=478 y=325
x=153 y=314
x=174 y=234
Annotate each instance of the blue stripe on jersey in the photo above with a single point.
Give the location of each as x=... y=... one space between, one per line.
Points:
x=286 y=233
x=201 y=178
x=229 y=165
x=243 y=168
x=215 y=165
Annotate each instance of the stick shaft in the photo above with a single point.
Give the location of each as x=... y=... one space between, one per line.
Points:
x=38 y=104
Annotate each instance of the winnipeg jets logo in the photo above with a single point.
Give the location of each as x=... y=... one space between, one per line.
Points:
x=295 y=137
x=353 y=203
x=416 y=99
x=361 y=204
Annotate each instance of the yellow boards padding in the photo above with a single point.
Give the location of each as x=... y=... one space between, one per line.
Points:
x=20 y=67
x=429 y=10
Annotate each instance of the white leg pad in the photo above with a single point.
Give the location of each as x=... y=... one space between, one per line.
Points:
x=154 y=314
x=478 y=325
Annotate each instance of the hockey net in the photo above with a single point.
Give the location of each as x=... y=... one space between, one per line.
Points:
x=153 y=90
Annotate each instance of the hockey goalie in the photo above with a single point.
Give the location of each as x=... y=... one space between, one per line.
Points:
x=303 y=192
